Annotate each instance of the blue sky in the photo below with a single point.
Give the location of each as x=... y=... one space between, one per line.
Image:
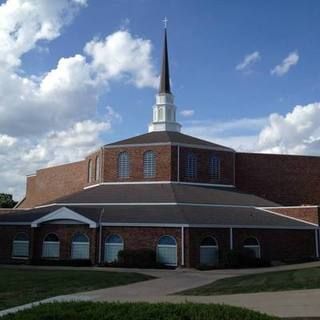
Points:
x=244 y=74
x=207 y=39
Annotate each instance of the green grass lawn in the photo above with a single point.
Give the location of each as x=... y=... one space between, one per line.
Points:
x=136 y=311
x=264 y=282
x=18 y=286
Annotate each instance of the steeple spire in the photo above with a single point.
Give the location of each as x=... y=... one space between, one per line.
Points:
x=164 y=111
x=165 y=75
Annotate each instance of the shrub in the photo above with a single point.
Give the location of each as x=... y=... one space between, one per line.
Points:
x=71 y=262
x=136 y=311
x=243 y=259
x=141 y=258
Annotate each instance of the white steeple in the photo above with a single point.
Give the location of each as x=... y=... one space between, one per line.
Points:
x=164 y=111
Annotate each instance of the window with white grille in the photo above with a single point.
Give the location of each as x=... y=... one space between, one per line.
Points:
x=149 y=164
x=51 y=246
x=214 y=168
x=191 y=166
x=20 y=246
x=167 y=251
x=123 y=165
x=80 y=247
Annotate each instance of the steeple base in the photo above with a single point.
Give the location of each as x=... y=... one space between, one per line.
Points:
x=165 y=126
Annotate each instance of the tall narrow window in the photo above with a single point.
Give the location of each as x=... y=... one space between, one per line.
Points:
x=112 y=246
x=191 y=166
x=149 y=164
x=20 y=247
x=80 y=247
x=90 y=171
x=123 y=165
x=51 y=246
x=214 y=168
x=97 y=168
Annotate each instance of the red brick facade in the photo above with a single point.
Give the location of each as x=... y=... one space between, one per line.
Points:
x=287 y=180
x=275 y=244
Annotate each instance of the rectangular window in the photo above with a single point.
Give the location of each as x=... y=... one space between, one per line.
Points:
x=20 y=248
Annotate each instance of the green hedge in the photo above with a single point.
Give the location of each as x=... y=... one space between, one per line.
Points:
x=140 y=258
x=136 y=311
x=243 y=259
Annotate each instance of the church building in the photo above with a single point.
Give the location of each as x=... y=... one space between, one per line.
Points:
x=187 y=199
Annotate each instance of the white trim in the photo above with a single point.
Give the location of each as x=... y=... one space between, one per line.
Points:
x=217 y=226
x=194 y=146
x=291 y=207
x=159 y=182
x=64 y=214
x=286 y=216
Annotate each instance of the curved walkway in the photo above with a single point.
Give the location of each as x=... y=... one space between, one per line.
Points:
x=301 y=303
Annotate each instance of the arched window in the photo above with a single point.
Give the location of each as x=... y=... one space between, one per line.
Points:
x=123 y=165
x=80 y=247
x=90 y=171
x=252 y=246
x=209 y=252
x=214 y=168
x=167 y=251
x=149 y=164
x=112 y=246
x=51 y=246
x=191 y=166
x=97 y=168
x=20 y=246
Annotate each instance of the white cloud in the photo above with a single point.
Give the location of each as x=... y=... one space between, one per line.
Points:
x=287 y=63
x=187 y=113
x=297 y=132
x=51 y=118
x=248 y=61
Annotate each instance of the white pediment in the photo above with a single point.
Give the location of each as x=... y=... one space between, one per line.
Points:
x=64 y=214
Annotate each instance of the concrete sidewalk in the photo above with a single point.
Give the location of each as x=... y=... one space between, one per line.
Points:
x=302 y=303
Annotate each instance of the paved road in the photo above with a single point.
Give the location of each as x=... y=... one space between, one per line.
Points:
x=284 y=304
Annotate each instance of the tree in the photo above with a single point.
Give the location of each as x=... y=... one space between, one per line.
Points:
x=6 y=201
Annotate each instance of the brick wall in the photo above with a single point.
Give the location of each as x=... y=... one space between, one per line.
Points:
x=203 y=156
x=310 y=214
x=7 y=235
x=287 y=180
x=146 y=238
x=51 y=183
x=163 y=163
x=65 y=234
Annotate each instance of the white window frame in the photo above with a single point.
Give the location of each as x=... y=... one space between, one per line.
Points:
x=24 y=243
x=168 y=246
x=50 y=243
x=123 y=165
x=75 y=245
x=216 y=247
x=191 y=170
x=149 y=164
x=109 y=246
x=256 y=247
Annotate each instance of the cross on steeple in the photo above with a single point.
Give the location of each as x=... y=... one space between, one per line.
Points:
x=165 y=22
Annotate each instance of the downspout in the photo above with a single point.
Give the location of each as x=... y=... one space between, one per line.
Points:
x=317 y=242
x=100 y=235
x=231 y=239
x=182 y=246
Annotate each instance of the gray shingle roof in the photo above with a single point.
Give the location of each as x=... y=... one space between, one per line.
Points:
x=170 y=214
x=165 y=193
x=169 y=137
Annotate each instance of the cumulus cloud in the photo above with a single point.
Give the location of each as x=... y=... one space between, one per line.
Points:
x=248 y=61
x=297 y=132
x=187 y=113
x=287 y=63
x=52 y=118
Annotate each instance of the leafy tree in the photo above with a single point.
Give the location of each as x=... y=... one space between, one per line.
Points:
x=6 y=201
